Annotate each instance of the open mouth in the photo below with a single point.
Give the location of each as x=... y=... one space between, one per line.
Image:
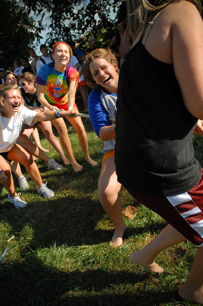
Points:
x=15 y=106
x=106 y=79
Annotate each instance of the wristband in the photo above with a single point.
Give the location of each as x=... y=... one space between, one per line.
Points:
x=58 y=113
x=55 y=114
x=1 y=170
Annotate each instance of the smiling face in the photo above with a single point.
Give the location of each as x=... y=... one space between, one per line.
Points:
x=61 y=55
x=105 y=74
x=45 y=51
x=27 y=86
x=12 y=102
x=10 y=79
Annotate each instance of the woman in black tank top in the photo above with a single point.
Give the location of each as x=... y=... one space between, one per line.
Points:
x=160 y=98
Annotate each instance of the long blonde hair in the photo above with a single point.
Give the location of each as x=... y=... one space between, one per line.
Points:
x=140 y=10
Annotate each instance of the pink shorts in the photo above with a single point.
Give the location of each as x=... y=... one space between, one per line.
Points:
x=63 y=106
x=183 y=211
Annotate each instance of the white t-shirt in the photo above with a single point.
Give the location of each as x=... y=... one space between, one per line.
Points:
x=74 y=61
x=40 y=63
x=18 y=70
x=10 y=128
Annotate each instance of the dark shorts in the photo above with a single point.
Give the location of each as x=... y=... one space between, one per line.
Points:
x=5 y=155
x=183 y=211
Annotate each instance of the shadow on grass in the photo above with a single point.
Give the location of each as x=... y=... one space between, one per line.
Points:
x=32 y=283
x=69 y=221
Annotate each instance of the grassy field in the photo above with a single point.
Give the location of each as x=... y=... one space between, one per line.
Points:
x=59 y=252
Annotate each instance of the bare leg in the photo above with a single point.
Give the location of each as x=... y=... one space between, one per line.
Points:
x=48 y=133
x=167 y=237
x=108 y=188
x=36 y=139
x=19 y=154
x=8 y=183
x=82 y=136
x=16 y=169
x=65 y=142
x=30 y=147
x=192 y=290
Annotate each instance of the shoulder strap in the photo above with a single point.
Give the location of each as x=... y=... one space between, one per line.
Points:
x=42 y=60
x=149 y=24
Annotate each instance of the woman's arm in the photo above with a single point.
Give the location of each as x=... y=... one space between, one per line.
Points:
x=50 y=115
x=107 y=132
x=187 y=52
x=71 y=94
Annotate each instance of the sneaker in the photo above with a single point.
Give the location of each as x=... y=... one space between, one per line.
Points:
x=17 y=202
x=23 y=183
x=45 y=191
x=52 y=164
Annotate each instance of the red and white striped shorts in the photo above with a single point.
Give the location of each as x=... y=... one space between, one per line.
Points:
x=183 y=211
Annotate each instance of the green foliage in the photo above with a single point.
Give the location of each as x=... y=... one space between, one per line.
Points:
x=74 y=19
x=16 y=32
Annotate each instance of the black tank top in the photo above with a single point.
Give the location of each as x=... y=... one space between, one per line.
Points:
x=154 y=149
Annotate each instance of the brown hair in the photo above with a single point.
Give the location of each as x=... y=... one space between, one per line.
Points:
x=90 y=57
x=7 y=73
x=28 y=76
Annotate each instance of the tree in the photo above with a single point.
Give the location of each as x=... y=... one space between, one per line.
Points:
x=16 y=32
x=75 y=18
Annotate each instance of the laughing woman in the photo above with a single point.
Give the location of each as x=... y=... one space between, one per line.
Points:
x=57 y=84
x=101 y=73
x=12 y=117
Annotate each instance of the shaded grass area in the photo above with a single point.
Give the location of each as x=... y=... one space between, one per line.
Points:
x=59 y=252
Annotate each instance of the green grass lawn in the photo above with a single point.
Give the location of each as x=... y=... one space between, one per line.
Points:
x=59 y=252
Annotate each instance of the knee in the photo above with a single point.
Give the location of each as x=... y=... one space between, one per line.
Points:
x=107 y=195
x=80 y=129
x=47 y=134
x=62 y=129
x=27 y=159
x=23 y=140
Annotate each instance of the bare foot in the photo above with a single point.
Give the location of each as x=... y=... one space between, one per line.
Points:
x=117 y=239
x=77 y=167
x=43 y=149
x=187 y=293
x=66 y=163
x=92 y=162
x=138 y=259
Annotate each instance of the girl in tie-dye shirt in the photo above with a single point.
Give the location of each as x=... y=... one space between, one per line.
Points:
x=57 y=85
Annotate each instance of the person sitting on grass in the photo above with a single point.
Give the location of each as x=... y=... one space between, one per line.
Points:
x=101 y=72
x=6 y=179
x=13 y=114
x=57 y=84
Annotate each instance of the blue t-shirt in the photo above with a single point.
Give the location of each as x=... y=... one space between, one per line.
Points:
x=102 y=105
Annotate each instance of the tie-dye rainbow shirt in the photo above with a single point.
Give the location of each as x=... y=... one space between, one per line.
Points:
x=56 y=83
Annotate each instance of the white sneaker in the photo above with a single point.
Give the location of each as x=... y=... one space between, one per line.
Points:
x=17 y=202
x=23 y=183
x=45 y=191
x=52 y=164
